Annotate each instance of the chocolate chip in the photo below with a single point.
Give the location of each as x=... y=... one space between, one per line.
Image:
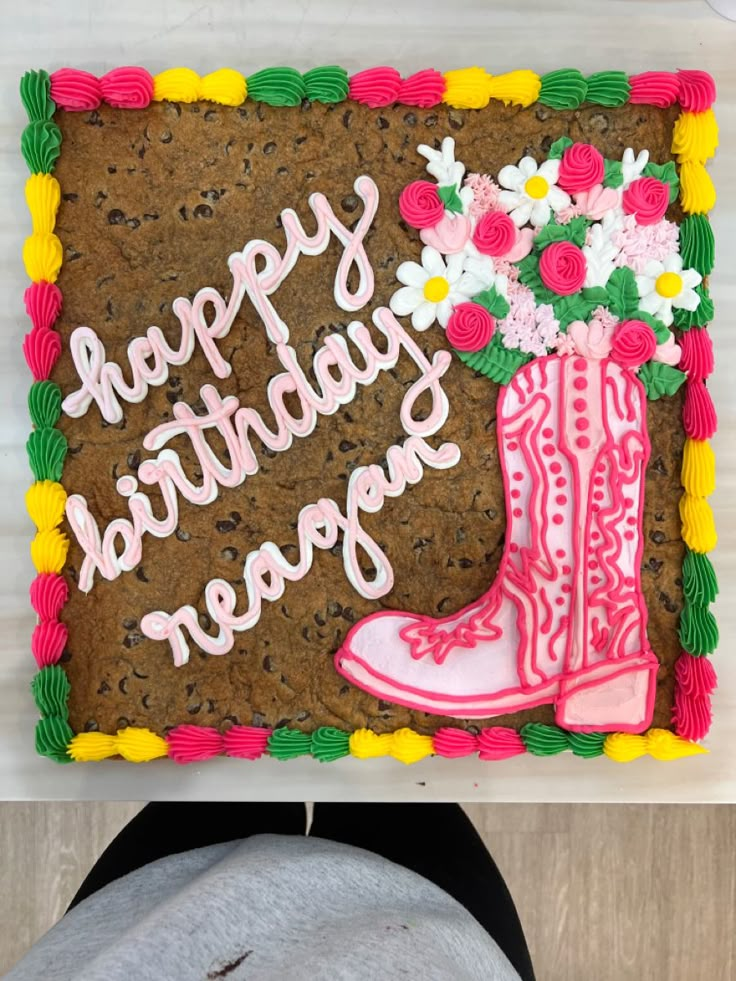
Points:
x=345 y=446
x=115 y=217
x=141 y=575
x=202 y=211
x=410 y=119
x=350 y=203
x=230 y=554
x=269 y=148
x=658 y=537
x=133 y=639
x=103 y=689
x=225 y=527
x=123 y=686
x=134 y=459
x=183 y=536
x=346 y=118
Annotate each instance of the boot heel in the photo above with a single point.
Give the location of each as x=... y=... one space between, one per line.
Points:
x=613 y=695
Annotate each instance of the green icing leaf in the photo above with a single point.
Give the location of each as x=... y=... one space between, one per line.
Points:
x=660 y=379
x=576 y=306
x=44 y=403
x=667 y=173
x=597 y=294
x=529 y=276
x=699 y=582
x=562 y=89
x=277 y=87
x=287 y=744
x=559 y=147
x=495 y=361
x=608 y=88
x=35 y=94
x=53 y=735
x=623 y=296
x=495 y=304
x=574 y=231
x=543 y=740
x=328 y=83
x=46 y=450
x=330 y=744
x=698 y=630
x=50 y=689
x=661 y=332
x=700 y=316
x=450 y=198
x=587 y=744
x=613 y=175
x=697 y=244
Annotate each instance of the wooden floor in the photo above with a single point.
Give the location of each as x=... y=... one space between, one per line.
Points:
x=605 y=892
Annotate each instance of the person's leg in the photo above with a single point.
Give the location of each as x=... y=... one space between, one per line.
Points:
x=440 y=843
x=162 y=829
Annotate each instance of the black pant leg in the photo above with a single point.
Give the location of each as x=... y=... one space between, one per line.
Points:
x=162 y=829
x=439 y=842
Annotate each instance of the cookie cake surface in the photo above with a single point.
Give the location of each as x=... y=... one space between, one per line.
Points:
x=370 y=413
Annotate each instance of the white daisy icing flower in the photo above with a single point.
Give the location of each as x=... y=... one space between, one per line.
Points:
x=531 y=193
x=665 y=285
x=431 y=289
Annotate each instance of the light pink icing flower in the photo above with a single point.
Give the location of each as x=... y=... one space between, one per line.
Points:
x=593 y=340
x=647 y=198
x=639 y=244
x=580 y=168
x=634 y=343
x=604 y=317
x=470 y=327
x=565 y=345
x=495 y=234
x=449 y=235
x=567 y=214
x=485 y=193
x=522 y=246
x=668 y=353
x=562 y=268
x=527 y=327
x=596 y=202
x=420 y=204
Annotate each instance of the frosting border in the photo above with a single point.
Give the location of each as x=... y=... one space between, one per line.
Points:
x=695 y=138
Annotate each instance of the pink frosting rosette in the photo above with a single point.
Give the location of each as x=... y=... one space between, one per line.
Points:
x=647 y=199
x=449 y=235
x=495 y=234
x=562 y=268
x=634 y=342
x=470 y=327
x=420 y=205
x=581 y=168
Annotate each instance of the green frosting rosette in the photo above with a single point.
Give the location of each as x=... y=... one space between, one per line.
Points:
x=699 y=582
x=608 y=89
x=50 y=689
x=287 y=744
x=328 y=83
x=35 y=94
x=698 y=630
x=46 y=450
x=277 y=87
x=40 y=145
x=697 y=244
x=543 y=740
x=330 y=744
x=53 y=735
x=44 y=404
x=563 y=89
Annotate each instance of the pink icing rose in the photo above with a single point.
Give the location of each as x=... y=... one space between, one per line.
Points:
x=495 y=234
x=470 y=327
x=596 y=202
x=593 y=340
x=562 y=268
x=669 y=352
x=580 y=168
x=420 y=204
x=648 y=199
x=634 y=343
x=449 y=235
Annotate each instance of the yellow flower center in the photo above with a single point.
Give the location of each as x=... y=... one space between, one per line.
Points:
x=669 y=284
x=436 y=289
x=536 y=187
